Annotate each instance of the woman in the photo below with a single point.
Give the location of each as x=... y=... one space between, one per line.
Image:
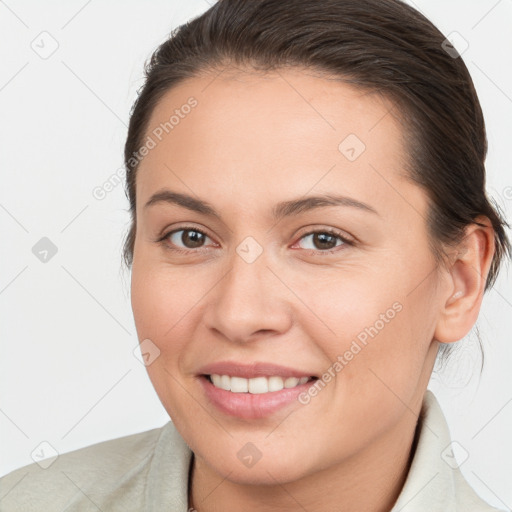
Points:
x=309 y=226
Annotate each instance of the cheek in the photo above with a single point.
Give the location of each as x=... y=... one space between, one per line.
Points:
x=160 y=304
x=167 y=309
x=159 y=298
x=380 y=321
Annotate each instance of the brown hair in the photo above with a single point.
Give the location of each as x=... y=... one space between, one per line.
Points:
x=383 y=46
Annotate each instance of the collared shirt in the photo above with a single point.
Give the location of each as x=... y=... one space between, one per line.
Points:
x=149 y=471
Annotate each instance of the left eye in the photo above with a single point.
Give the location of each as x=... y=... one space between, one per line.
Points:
x=324 y=241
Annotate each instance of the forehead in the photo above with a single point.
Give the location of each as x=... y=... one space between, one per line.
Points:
x=254 y=135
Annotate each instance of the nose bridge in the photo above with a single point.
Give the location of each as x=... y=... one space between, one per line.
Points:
x=248 y=300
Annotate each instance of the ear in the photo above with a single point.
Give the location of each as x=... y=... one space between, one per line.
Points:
x=467 y=275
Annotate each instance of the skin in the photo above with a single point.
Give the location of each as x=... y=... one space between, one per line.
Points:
x=252 y=141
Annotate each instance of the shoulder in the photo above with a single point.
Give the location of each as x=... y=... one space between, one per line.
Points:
x=435 y=482
x=107 y=471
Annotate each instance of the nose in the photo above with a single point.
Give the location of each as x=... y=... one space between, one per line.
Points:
x=249 y=302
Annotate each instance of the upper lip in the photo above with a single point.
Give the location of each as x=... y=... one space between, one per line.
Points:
x=248 y=371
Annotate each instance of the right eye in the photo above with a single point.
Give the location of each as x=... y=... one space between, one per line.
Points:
x=190 y=237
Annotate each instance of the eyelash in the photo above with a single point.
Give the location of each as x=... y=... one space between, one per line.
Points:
x=330 y=231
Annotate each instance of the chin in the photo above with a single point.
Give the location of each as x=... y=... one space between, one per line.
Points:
x=266 y=471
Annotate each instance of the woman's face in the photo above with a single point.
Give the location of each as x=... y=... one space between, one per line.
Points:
x=276 y=285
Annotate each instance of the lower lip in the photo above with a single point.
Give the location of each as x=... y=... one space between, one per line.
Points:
x=249 y=405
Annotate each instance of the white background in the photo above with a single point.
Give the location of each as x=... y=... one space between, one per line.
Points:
x=68 y=375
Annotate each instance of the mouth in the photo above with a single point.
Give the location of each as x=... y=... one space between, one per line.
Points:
x=256 y=385
x=253 y=398
x=253 y=390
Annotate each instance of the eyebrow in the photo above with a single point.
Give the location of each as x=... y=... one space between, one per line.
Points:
x=279 y=211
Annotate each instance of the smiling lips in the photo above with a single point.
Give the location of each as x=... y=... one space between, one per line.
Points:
x=252 y=391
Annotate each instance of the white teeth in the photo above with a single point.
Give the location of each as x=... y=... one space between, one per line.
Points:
x=216 y=380
x=256 y=385
x=238 y=385
x=291 y=382
x=225 y=382
x=275 y=383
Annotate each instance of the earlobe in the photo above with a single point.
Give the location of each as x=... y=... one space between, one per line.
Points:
x=467 y=275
